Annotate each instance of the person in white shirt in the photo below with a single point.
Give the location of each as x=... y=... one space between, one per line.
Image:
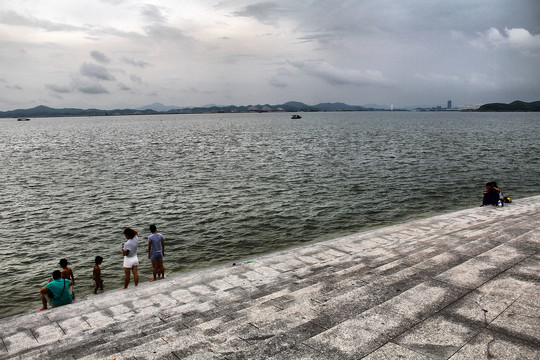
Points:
x=131 y=261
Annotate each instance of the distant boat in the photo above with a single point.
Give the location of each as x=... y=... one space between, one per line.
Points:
x=23 y=119
x=296 y=117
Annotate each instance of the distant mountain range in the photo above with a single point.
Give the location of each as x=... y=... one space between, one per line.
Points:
x=291 y=106
x=44 y=111
x=158 y=108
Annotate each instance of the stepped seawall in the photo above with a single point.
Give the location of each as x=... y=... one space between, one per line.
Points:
x=456 y=286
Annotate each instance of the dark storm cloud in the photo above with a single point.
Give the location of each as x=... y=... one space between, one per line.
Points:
x=16 y=19
x=277 y=82
x=113 y=2
x=159 y=29
x=13 y=18
x=163 y=33
x=281 y=78
x=334 y=20
x=96 y=71
x=236 y=58
x=94 y=89
x=263 y=11
x=138 y=63
x=153 y=14
x=13 y=87
x=369 y=22
x=378 y=51
x=135 y=79
x=104 y=32
x=58 y=88
x=85 y=85
x=100 y=57
x=339 y=76
x=324 y=38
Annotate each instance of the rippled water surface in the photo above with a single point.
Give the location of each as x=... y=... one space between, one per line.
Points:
x=226 y=187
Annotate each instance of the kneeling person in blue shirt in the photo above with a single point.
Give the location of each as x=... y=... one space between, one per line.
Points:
x=57 y=292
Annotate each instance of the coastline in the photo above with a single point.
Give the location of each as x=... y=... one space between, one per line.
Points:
x=460 y=279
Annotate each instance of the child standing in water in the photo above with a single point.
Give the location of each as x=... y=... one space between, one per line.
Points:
x=97 y=274
x=156 y=251
x=67 y=273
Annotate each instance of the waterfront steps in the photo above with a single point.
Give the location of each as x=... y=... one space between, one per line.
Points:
x=461 y=285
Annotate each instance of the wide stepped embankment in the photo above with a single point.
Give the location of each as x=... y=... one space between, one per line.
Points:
x=456 y=286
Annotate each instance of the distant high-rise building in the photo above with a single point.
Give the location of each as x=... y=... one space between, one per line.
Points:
x=449 y=104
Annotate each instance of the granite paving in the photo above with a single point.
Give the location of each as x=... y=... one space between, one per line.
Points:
x=462 y=285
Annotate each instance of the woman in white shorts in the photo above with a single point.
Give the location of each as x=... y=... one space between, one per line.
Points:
x=131 y=261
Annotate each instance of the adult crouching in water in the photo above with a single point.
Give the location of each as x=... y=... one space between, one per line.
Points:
x=131 y=261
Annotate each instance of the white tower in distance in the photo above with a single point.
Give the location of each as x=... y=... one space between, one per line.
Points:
x=391 y=107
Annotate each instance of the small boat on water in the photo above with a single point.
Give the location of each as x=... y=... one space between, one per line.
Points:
x=296 y=117
x=23 y=119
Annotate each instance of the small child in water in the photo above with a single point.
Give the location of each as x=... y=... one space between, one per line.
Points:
x=97 y=274
x=67 y=273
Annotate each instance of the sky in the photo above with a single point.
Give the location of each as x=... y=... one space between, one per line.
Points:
x=111 y=54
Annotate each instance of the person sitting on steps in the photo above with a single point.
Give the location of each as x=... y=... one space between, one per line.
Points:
x=492 y=195
x=57 y=292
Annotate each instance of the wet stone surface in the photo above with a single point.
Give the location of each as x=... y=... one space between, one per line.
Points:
x=456 y=286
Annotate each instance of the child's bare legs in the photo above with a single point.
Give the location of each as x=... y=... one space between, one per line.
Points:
x=161 y=269
x=135 y=275
x=155 y=268
x=99 y=285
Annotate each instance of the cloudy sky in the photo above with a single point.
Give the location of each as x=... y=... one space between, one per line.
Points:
x=129 y=53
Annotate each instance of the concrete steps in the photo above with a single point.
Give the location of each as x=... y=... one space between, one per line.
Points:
x=386 y=291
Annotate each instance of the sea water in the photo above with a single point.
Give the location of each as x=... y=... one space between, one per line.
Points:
x=226 y=187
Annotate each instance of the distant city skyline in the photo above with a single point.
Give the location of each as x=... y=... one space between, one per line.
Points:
x=291 y=106
x=113 y=54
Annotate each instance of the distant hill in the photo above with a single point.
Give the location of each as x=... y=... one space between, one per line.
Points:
x=513 y=106
x=339 y=107
x=298 y=106
x=44 y=111
x=158 y=108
